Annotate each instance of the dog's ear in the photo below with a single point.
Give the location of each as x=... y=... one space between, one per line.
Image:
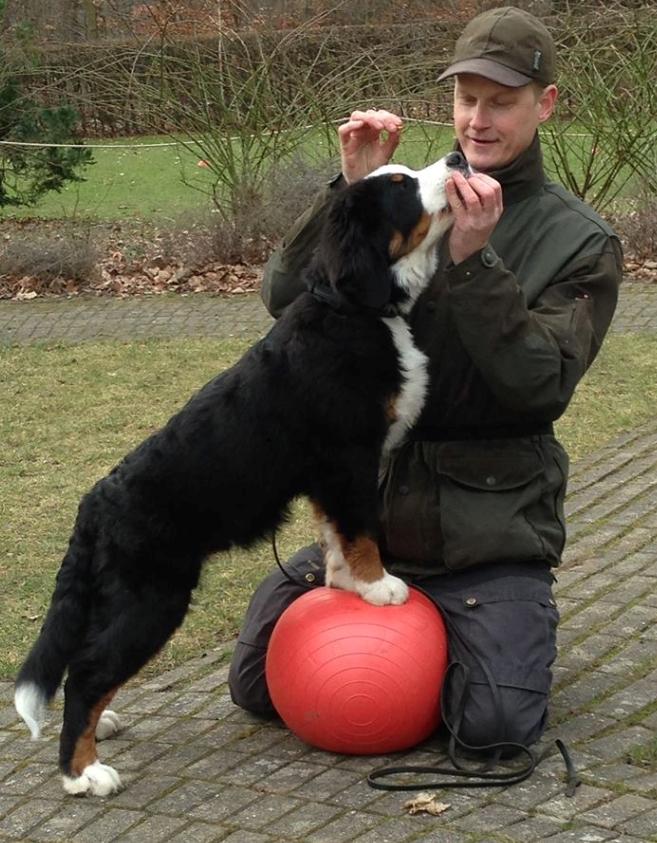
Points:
x=355 y=247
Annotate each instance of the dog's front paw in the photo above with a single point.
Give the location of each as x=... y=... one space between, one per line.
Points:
x=96 y=780
x=389 y=590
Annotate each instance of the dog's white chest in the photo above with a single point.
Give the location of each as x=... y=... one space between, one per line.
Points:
x=415 y=380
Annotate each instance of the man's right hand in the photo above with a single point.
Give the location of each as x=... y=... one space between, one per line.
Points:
x=367 y=141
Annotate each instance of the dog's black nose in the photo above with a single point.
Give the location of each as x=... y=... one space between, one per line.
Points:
x=456 y=161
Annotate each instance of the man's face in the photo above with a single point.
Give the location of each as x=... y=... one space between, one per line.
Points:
x=493 y=123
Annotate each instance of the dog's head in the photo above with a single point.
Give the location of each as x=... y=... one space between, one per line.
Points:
x=380 y=233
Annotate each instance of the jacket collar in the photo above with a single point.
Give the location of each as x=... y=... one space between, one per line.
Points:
x=524 y=176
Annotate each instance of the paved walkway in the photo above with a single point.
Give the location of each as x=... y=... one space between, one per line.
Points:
x=199 y=769
x=202 y=315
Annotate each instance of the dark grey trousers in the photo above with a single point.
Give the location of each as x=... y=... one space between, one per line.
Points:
x=502 y=622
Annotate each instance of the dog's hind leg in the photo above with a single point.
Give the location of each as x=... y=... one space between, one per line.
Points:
x=113 y=654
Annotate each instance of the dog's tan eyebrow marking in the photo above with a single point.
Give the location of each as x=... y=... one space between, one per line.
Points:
x=420 y=231
x=396 y=247
x=397 y=177
x=400 y=246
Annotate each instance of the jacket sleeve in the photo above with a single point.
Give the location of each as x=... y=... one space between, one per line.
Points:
x=283 y=275
x=532 y=356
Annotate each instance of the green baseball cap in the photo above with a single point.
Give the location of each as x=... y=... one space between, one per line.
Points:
x=508 y=45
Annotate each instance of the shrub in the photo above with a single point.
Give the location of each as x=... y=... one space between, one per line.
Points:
x=69 y=254
x=258 y=222
x=27 y=172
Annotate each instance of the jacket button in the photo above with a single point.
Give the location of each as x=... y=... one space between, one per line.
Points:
x=403 y=490
x=471 y=602
x=488 y=256
x=491 y=481
x=310 y=578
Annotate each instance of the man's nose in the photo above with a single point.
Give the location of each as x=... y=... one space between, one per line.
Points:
x=479 y=117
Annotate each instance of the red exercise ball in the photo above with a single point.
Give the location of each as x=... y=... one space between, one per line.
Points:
x=357 y=679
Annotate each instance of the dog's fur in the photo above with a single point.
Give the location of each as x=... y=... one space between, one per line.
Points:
x=308 y=410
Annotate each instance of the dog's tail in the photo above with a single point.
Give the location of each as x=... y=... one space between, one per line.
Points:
x=62 y=632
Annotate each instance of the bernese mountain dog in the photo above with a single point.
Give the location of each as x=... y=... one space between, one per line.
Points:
x=308 y=410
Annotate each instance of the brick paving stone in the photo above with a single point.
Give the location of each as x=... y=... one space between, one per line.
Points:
x=225 y=801
x=26 y=816
x=303 y=820
x=490 y=818
x=627 y=661
x=397 y=830
x=291 y=776
x=214 y=764
x=136 y=755
x=7 y=804
x=177 y=758
x=446 y=836
x=144 y=788
x=185 y=797
x=255 y=769
x=531 y=829
x=198 y=832
x=563 y=808
x=644 y=826
x=585 y=689
x=110 y=826
x=265 y=810
x=617 y=811
x=646 y=782
x=632 y=698
x=587 y=651
x=65 y=824
x=248 y=837
x=154 y=829
x=616 y=773
x=27 y=778
x=344 y=829
x=619 y=742
x=328 y=783
x=583 y=834
x=578 y=726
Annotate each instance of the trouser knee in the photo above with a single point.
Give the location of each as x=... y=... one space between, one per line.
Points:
x=247 y=677
x=519 y=718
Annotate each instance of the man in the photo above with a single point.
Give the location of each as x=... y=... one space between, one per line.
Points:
x=472 y=504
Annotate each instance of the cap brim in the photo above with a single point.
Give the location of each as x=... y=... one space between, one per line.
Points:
x=488 y=69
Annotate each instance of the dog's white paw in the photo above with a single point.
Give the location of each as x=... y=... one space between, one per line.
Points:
x=108 y=725
x=96 y=780
x=389 y=590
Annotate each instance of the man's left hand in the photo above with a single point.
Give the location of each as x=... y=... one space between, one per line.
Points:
x=477 y=205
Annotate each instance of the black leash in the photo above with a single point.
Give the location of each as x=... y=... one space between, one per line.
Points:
x=484 y=776
x=302 y=583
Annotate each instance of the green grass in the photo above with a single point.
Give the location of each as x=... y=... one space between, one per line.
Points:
x=162 y=183
x=139 y=182
x=68 y=414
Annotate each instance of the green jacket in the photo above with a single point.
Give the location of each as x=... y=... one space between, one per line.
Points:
x=509 y=333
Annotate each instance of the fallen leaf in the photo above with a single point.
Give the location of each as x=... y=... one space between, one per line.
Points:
x=426 y=803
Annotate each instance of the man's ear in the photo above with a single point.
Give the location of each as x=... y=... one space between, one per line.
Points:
x=546 y=102
x=355 y=251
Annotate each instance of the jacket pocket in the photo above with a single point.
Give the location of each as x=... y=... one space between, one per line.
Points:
x=499 y=501
x=409 y=506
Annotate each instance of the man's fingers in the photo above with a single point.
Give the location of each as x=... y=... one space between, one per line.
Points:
x=454 y=197
x=478 y=191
